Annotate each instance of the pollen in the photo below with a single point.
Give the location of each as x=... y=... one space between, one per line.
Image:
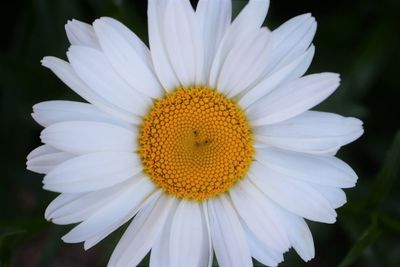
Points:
x=195 y=143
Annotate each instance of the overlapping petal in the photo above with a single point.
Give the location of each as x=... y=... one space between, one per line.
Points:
x=184 y=239
x=67 y=74
x=324 y=170
x=91 y=172
x=81 y=33
x=128 y=55
x=293 y=98
x=51 y=112
x=95 y=70
x=45 y=158
x=294 y=195
x=114 y=213
x=259 y=216
x=227 y=234
x=312 y=132
x=248 y=21
x=90 y=150
x=144 y=230
x=79 y=137
x=213 y=18
x=244 y=63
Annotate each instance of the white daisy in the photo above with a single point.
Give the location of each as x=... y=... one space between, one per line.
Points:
x=205 y=140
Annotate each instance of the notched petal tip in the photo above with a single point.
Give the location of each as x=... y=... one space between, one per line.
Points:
x=45 y=60
x=332 y=219
x=29 y=167
x=71 y=23
x=100 y=22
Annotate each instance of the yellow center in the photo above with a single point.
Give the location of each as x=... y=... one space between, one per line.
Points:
x=195 y=143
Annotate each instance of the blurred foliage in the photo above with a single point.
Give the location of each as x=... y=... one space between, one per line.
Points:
x=358 y=39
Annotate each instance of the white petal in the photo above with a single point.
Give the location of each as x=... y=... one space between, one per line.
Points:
x=299 y=235
x=80 y=33
x=262 y=252
x=253 y=14
x=51 y=112
x=334 y=195
x=134 y=41
x=182 y=41
x=74 y=208
x=128 y=56
x=93 y=240
x=120 y=209
x=67 y=74
x=142 y=232
x=207 y=255
x=92 y=172
x=311 y=132
x=295 y=69
x=162 y=64
x=94 y=69
x=324 y=170
x=290 y=57
x=44 y=158
x=302 y=68
x=293 y=195
x=187 y=235
x=293 y=37
x=228 y=237
x=293 y=98
x=258 y=215
x=46 y=162
x=244 y=63
x=250 y=19
x=213 y=18
x=160 y=252
x=85 y=137
x=41 y=150
x=58 y=203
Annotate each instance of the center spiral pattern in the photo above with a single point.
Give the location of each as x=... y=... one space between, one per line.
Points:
x=195 y=143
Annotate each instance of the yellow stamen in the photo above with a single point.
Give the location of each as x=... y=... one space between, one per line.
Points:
x=195 y=143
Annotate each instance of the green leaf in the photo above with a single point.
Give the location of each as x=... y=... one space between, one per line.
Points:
x=390 y=223
x=52 y=246
x=383 y=185
x=369 y=236
x=13 y=233
x=4 y=233
x=387 y=176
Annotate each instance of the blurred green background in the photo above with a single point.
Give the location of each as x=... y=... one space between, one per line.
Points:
x=359 y=39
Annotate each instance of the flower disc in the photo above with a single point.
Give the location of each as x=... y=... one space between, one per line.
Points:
x=195 y=143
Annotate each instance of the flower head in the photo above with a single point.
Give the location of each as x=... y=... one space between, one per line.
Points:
x=205 y=139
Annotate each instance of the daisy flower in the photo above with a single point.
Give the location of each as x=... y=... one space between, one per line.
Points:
x=205 y=141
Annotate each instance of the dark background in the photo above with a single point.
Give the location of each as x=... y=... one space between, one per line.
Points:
x=359 y=39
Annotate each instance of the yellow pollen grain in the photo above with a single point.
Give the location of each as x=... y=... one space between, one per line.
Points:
x=195 y=143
